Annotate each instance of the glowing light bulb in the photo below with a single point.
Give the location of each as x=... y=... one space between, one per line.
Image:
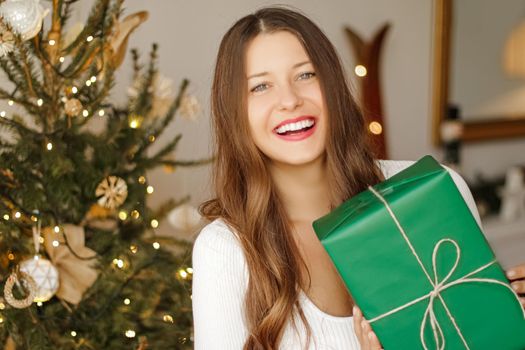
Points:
x=6 y=217
x=73 y=333
x=93 y=79
x=88 y=82
x=101 y=112
x=55 y=243
x=168 y=318
x=154 y=223
x=2 y=114
x=134 y=249
x=74 y=89
x=61 y=59
x=85 y=113
x=375 y=128
x=57 y=229
x=49 y=146
x=89 y=38
x=122 y=215
x=18 y=215
x=39 y=102
x=360 y=70
x=127 y=301
x=156 y=245
x=150 y=189
x=11 y=102
x=130 y=333
x=52 y=42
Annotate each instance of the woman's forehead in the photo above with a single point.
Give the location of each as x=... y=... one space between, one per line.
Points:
x=274 y=51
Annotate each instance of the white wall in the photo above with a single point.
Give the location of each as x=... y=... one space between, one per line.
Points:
x=189 y=33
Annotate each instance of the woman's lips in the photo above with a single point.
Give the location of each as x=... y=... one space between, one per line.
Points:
x=299 y=135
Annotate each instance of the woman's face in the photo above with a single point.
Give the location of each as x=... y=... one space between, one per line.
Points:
x=286 y=110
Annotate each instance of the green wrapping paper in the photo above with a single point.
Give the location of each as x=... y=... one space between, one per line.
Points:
x=417 y=264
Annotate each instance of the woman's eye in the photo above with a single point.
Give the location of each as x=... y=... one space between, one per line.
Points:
x=307 y=75
x=259 y=88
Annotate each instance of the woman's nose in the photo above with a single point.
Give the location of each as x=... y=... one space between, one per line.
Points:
x=289 y=98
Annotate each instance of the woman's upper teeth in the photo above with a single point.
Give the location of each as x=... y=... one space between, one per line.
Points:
x=295 y=126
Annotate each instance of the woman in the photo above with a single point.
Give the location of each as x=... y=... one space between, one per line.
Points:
x=291 y=146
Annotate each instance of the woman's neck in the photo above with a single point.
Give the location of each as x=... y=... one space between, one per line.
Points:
x=303 y=189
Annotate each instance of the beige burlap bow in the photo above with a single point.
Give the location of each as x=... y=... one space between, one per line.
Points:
x=76 y=273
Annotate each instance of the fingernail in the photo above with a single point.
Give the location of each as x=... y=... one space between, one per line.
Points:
x=363 y=324
x=511 y=273
x=370 y=335
x=514 y=286
x=354 y=310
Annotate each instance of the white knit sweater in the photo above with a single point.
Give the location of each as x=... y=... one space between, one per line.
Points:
x=220 y=279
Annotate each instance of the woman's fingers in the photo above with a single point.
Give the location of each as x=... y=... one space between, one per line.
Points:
x=366 y=336
x=516 y=272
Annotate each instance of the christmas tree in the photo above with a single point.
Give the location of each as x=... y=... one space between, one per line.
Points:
x=80 y=264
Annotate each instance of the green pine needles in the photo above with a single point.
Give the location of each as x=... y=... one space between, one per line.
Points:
x=52 y=164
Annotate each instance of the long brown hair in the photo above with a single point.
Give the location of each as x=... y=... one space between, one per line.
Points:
x=245 y=195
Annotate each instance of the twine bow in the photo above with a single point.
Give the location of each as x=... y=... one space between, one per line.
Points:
x=438 y=286
x=74 y=263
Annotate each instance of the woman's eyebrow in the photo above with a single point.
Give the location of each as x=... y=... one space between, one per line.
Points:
x=265 y=73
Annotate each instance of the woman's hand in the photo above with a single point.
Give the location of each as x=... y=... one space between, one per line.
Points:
x=366 y=336
x=517 y=277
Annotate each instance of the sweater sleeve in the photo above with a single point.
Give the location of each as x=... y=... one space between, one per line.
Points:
x=218 y=288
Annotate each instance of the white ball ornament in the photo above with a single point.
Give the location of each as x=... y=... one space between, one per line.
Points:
x=184 y=217
x=24 y=16
x=45 y=276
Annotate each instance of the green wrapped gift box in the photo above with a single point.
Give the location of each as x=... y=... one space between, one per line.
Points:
x=417 y=264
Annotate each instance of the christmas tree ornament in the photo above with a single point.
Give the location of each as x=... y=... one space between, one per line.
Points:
x=7 y=40
x=162 y=94
x=24 y=16
x=74 y=262
x=119 y=37
x=111 y=192
x=45 y=275
x=73 y=107
x=41 y=270
x=22 y=280
x=189 y=107
x=184 y=217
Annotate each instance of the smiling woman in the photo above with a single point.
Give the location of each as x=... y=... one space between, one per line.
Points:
x=291 y=145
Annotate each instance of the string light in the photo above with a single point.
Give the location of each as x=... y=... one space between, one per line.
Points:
x=360 y=70
x=1 y=319
x=190 y=270
x=183 y=274
x=130 y=333
x=375 y=128
x=6 y=217
x=101 y=113
x=122 y=215
x=156 y=245
x=57 y=229
x=49 y=146
x=142 y=180
x=127 y=301
x=2 y=306
x=73 y=333
x=11 y=102
x=88 y=82
x=167 y=318
x=134 y=249
x=118 y=262
x=61 y=59
x=85 y=113
x=93 y=79
x=39 y=303
x=39 y=102
x=18 y=215
x=133 y=124
x=74 y=89
x=52 y=42
x=2 y=114
x=89 y=38
x=55 y=243
x=150 y=189
x=41 y=240
x=154 y=223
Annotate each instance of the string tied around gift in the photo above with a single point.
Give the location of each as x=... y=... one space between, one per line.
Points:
x=438 y=286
